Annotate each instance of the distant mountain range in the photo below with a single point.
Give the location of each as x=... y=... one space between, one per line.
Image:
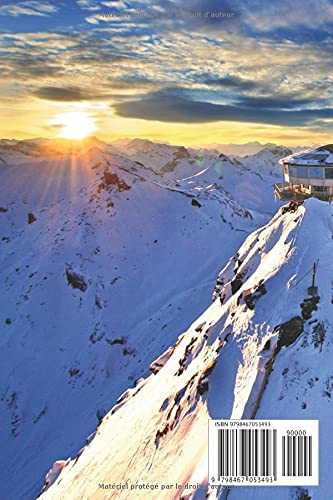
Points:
x=246 y=149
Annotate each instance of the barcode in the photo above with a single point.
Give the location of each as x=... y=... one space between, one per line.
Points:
x=272 y=452
x=297 y=455
x=247 y=452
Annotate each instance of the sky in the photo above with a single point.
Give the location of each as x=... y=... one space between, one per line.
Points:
x=190 y=72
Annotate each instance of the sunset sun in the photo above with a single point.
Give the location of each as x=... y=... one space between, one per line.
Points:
x=75 y=125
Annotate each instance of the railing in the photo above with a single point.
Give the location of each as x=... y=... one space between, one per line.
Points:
x=286 y=191
x=294 y=192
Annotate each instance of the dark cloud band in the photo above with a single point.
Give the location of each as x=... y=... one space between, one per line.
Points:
x=178 y=109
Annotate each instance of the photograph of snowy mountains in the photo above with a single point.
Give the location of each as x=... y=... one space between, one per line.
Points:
x=166 y=243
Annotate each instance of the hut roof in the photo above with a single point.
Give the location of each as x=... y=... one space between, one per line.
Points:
x=320 y=156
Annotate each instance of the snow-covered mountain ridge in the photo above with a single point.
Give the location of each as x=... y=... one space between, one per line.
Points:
x=263 y=348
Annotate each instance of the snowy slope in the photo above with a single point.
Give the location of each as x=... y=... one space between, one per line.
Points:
x=248 y=181
x=219 y=368
x=161 y=158
x=235 y=180
x=266 y=161
x=104 y=261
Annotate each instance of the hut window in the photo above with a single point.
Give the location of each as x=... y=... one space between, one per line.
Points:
x=302 y=172
x=316 y=172
x=293 y=171
x=329 y=173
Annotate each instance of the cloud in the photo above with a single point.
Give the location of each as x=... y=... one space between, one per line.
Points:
x=67 y=94
x=231 y=82
x=21 y=68
x=175 y=108
x=132 y=81
x=284 y=102
x=28 y=8
x=276 y=14
x=88 y=4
